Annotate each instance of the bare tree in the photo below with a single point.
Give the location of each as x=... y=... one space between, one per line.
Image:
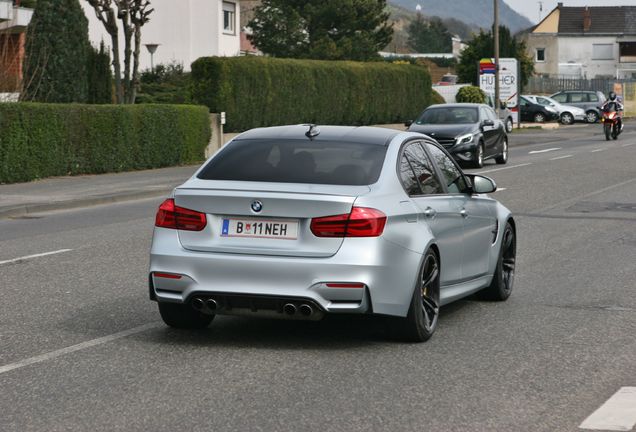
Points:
x=132 y=14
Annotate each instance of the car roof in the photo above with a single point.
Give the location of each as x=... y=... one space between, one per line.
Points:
x=350 y=134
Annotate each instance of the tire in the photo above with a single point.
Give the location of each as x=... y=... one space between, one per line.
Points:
x=591 y=116
x=607 y=128
x=509 y=125
x=567 y=118
x=502 y=281
x=478 y=158
x=423 y=316
x=503 y=157
x=539 y=118
x=183 y=316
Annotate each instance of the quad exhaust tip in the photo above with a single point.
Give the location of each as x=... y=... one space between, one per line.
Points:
x=306 y=310
x=289 y=309
x=212 y=304
x=198 y=303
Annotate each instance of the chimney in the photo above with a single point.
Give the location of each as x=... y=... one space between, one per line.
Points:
x=587 y=19
x=560 y=5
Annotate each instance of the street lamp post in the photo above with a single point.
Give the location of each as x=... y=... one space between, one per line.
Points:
x=152 y=49
x=496 y=40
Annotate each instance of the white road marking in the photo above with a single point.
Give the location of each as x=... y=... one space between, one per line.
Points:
x=598 y=150
x=78 y=347
x=627 y=145
x=544 y=151
x=617 y=414
x=28 y=257
x=562 y=157
x=500 y=189
x=505 y=168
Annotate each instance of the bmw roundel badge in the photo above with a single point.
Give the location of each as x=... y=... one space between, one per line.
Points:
x=257 y=206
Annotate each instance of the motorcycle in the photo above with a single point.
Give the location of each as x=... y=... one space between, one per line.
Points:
x=612 y=123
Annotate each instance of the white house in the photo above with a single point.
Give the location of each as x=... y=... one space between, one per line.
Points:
x=585 y=42
x=184 y=30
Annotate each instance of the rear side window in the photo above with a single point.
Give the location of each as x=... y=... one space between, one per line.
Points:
x=292 y=161
x=578 y=97
x=416 y=172
x=561 y=98
x=593 y=97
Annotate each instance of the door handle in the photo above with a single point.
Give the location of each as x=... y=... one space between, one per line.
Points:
x=430 y=212
x=464 y=213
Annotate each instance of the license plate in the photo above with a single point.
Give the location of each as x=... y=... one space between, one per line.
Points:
x=260 y=228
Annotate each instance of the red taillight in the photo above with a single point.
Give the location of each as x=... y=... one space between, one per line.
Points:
x=361 y=222
x=171 y=216
x=345 y=285
x=166 y=275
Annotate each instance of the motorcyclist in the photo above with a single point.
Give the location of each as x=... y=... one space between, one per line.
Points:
x=614 y=104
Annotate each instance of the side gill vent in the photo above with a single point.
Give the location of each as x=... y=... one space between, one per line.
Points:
x=495 y=231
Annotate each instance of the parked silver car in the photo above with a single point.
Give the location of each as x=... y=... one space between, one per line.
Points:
x=587 y=100
x=568 y=114
x=298 y=222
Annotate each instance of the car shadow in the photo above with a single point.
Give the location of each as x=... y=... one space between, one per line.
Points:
x=334 y=332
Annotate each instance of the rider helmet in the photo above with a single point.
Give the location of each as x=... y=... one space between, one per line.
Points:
x=612 y=96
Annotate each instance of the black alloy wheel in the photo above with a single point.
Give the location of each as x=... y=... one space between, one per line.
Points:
x=423 y=316
x=183 y=316
x=502 y=282
x=539 y=118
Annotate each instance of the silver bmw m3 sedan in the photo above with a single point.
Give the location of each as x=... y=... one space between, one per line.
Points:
x=298 y=222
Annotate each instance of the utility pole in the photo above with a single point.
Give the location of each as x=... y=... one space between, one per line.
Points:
x=496 y=40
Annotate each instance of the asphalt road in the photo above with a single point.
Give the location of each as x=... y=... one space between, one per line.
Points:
x=81 y=347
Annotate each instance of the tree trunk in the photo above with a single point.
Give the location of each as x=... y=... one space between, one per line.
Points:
x=125 y=19
x=136 y=54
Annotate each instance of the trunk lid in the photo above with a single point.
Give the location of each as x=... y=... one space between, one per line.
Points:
x=228 y=206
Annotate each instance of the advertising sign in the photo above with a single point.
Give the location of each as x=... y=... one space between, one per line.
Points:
x=508 y=82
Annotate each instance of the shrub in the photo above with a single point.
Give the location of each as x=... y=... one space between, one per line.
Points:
x=166 y=83
x=437 y=98
x=42 y=140
x=260 y=91
x=471 y=94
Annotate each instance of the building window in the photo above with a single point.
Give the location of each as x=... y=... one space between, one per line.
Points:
x=229 y=17
x=540 y=54
x=627 y=52
x=603 y=52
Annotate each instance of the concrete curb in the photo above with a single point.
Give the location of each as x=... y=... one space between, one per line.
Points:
x=28 y=209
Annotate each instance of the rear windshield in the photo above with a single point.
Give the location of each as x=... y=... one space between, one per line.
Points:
x=291 y=161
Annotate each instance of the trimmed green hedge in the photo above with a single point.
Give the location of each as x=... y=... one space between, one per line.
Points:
x=262 y=91
x=43 y=140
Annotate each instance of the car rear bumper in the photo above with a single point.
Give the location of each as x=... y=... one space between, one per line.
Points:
x=386 y=272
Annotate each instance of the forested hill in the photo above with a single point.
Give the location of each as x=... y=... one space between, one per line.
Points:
x=473 y=12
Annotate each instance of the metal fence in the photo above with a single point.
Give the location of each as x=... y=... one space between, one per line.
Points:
x=545 y=85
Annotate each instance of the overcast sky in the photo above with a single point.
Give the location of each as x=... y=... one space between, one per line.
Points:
x=530 y=8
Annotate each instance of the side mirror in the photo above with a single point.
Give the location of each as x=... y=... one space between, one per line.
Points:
x=487 y=123
x=408 y=123
x=482 y=184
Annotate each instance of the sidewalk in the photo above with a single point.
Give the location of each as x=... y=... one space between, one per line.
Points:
x=20 y=199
